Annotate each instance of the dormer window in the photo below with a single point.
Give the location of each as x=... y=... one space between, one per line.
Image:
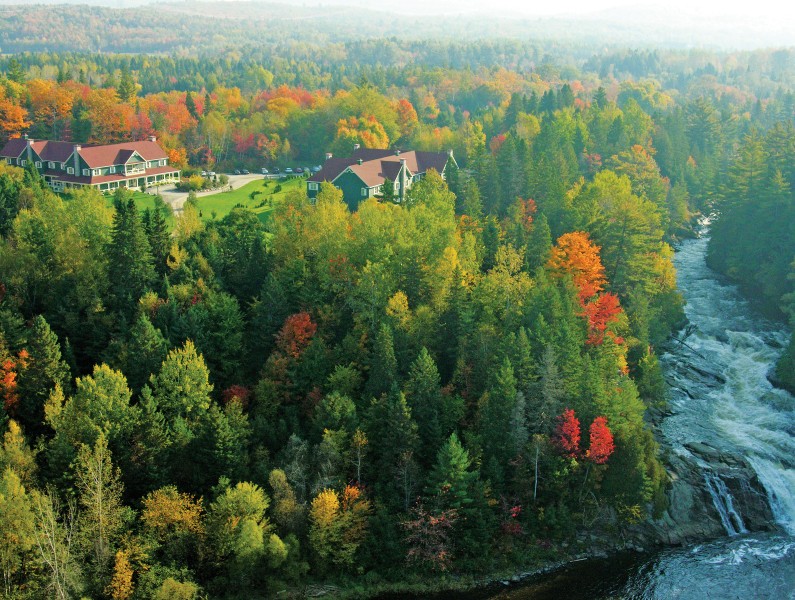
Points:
x=70 y=170
x=38 y=164
x=85 y=172
x=51 y=165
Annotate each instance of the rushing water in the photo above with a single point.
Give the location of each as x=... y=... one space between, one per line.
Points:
x=720 y=396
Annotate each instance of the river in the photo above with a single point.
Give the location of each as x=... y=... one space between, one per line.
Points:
x=720 y=396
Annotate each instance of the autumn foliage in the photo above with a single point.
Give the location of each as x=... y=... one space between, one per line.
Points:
x=567 y=434
x=295 y=335
x=576 y=255
x=567 y=438
x=601 y=441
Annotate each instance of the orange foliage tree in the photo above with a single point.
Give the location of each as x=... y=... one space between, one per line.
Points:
x=575 y=254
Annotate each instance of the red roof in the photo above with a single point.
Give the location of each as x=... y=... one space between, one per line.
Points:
x=95 y=156
x=378 y=165
x=119 y=154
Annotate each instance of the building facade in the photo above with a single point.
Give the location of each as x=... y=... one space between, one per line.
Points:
x=64 y=165
x=363 y=173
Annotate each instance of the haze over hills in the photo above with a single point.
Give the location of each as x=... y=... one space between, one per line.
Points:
x=642 y=26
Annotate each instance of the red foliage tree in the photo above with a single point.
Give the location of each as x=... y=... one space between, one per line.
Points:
x=295 y=334
x=602 y=310
x=236 y=393
x=567 y=434
x=601 y=442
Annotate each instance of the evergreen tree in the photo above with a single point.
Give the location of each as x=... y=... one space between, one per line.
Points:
x=15 y=72
x=45 y=370
x=424 y=395
x=496 y=416
x=190 y=104
x=383 y=364
x=388 y=191
x=130 y=270
x=126 y=88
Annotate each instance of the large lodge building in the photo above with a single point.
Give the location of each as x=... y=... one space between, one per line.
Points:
x=65 y=165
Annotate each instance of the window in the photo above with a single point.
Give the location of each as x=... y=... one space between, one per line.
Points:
x=71 y=170
x=95 y=172
x=38 y=164
x=364 y=192
x=85 y=172
x=8 y=161
x=312 y=185
x=51 y=165
x=63 y=166
x=23 y=162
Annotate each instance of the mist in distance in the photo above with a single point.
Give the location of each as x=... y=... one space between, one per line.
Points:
x=731 y=24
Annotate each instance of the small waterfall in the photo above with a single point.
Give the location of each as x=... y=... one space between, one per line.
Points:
x=779 y=482
x=724 y=503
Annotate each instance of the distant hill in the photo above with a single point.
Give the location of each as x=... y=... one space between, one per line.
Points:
x=134 y=26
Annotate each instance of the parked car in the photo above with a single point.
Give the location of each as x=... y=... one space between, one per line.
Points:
x=264 y=171
x=299 y=170
x=316 y=169
x=276 y=169
x=204 y=173
x=237 y=171
x=245 y=172
x=289 y=171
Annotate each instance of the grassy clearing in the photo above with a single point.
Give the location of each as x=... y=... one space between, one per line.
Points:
x=221 y=204
x=142 y=202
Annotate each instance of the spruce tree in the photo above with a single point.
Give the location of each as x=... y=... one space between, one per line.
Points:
x=126 y=89
x=45 y=369
x=383 y=364
x=424 y=395
x=130 y=270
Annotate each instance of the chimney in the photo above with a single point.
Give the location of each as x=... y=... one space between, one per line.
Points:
x=76 y=155
x=450 y=153
x=328 y=155
x=397 y=152
x=403 y=181
x=29 y=147
x=153 y=138
x=356 y=147
x=359 y=161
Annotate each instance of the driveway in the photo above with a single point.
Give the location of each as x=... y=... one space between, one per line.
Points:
x=176 y=198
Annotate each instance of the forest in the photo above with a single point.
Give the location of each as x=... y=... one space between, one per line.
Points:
x=404 y=394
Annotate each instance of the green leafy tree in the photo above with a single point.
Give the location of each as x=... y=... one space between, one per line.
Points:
x=16 y=529
x=102 y=518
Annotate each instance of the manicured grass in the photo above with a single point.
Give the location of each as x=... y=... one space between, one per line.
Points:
x=142 y=202
x=221 y=204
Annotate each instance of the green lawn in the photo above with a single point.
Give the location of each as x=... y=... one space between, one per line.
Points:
x=142 y=202
x=221 y=204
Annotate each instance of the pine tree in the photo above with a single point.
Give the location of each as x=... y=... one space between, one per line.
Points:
x=15 y=72
x=383 y=364
x=388 y=191
x=126 y=89
x=190 y=104
x=45 y=369
x=496 y=416
x=130 y=270
x=424 y=395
